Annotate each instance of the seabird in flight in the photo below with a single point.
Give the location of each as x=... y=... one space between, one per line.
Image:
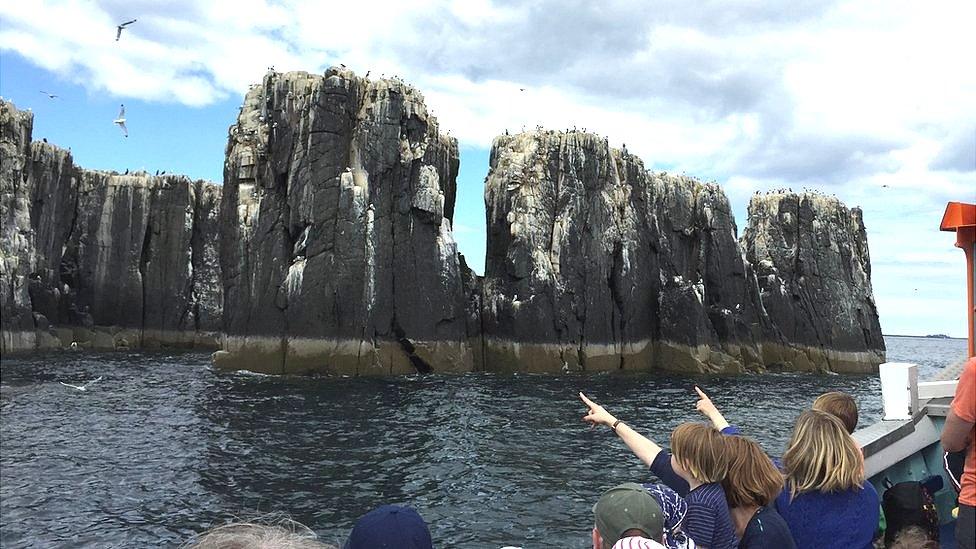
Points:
x=120 y=121
x=81 y=387
x=119 y=28
x=50 y=95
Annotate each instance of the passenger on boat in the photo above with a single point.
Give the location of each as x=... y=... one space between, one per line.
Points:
x=751 y=487
x=826 y=502
x=695 y=469
x=673 y=509
x=627 y=517
x=913 y=537
x=840 y=405
x=280 y=534
x=958 y=433
x=390 y=526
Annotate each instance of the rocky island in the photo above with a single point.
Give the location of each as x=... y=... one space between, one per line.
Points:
x=101 y=259
x=329 y=248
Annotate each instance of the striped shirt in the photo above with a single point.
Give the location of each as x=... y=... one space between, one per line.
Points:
x=708 y=521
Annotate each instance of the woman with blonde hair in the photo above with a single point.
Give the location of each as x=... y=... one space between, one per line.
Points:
x=826 y=501
x=751 y=486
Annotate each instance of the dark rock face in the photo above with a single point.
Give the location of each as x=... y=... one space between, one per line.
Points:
x=812 y=263
x=16 y=240
x=596 y=264
x=336 y=248
x=329 y=248
x=102 y=259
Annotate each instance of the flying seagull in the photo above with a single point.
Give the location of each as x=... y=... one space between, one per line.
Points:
x=81 y=387
x=119 y=28
x=121 y=121
x=50 y=95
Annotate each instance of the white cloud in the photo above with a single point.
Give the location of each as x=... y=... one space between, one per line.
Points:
x=870 y=100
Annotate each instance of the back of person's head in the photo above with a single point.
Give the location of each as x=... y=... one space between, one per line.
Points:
x=627 y=510
x=700 y=450
x=913 y=537
x=841 y=405
x=822 y=456
x=262 y=534
x=390 y=527
x=751 y=479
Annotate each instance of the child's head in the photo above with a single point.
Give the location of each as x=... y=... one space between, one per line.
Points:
x=822 y=456
x=699 y=450
x=841 y=405
x=752 y=480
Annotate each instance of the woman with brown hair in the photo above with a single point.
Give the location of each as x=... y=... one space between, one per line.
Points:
x=826 y=502
x=751 y=486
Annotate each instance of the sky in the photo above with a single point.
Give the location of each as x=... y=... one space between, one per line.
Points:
x=874 y=102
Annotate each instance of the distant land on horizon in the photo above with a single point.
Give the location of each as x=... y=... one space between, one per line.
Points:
x=930 y=336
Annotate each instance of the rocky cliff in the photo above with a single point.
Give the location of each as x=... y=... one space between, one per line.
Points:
x=336 y=248
x=596 y=264
x=810 y=253
x=102 y=259
x=329 y=249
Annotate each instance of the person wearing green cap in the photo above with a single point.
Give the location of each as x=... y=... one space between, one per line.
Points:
x=627 y=511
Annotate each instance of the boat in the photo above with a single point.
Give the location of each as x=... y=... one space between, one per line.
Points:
x=904 y=445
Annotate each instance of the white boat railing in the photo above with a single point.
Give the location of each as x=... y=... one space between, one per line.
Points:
x=909 y=421
x=904 y=395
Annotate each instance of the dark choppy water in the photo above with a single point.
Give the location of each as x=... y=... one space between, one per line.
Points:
x=164 y=446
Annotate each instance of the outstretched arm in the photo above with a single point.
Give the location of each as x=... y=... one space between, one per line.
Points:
x=708 y=409
x=642 y=447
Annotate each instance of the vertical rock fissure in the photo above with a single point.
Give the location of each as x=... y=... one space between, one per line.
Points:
x=144 y=259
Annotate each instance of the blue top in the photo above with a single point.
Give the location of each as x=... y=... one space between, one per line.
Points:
x=767 y=530
x=708 y=521
x=826 y=520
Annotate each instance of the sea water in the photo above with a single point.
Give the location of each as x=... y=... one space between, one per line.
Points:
x=163 y=446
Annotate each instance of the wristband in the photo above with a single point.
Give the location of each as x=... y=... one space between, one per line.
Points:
x=614 y=426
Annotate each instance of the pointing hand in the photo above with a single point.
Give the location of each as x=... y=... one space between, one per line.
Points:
x=596 y=414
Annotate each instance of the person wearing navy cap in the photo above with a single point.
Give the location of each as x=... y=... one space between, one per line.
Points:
x=390 y=527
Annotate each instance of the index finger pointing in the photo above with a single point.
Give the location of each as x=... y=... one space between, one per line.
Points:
x=585 y=400
x=700 y=392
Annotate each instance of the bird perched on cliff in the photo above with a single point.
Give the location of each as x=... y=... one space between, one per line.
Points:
x=120 y=28
x=120 y=121
x=81 y=387
x=49 y=94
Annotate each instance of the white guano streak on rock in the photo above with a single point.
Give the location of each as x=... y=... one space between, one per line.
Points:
x=293 y=280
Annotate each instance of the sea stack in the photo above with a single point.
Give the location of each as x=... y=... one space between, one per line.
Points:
x=337 y=251
x=596 y=264
x=810 y=254
x=101 y=259
x=329 y=249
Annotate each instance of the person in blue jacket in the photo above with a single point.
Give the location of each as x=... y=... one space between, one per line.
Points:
x=827 y=502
